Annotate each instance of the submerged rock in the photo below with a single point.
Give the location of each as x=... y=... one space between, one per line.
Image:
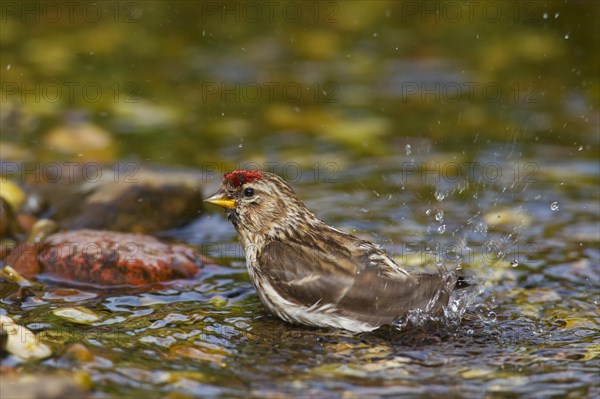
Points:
x=9 y=274
x=105 y=258
x=79 y=315
x=78 y=352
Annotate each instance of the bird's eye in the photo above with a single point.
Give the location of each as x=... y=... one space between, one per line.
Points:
x=249 y=192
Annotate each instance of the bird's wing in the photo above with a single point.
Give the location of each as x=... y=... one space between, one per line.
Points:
x=368 y=255
x=337 y=281
x=305 y=274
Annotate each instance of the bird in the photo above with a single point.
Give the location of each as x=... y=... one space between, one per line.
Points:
x=307 y=272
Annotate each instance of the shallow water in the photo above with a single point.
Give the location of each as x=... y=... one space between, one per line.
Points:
x=499 y=185
x=533 y=331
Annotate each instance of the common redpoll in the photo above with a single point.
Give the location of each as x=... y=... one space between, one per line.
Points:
x=307 y=272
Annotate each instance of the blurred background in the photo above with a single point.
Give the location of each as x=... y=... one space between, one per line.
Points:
x=184 y=83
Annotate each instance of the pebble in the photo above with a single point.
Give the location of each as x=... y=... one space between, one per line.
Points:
x=79 y=315
x=21 y=342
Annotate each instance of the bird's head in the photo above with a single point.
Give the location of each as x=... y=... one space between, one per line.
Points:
x=259 y=203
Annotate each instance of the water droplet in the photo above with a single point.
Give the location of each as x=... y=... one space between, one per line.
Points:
x=8 y=67
x=580 y=148
x=556 y=15
x=439 y=216
x=439 y=195
x=545 y=15
x=441 y=229
x=408 y=149
x=481 y=228
x=400 y=322
x=514 y=263
x=554 y=206
x=485 y=314
x=567 y=36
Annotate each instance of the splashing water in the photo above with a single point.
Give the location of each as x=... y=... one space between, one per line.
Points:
x=459 y=302
x=453 y=312
x=485 y=314
x=401 y=322
x=439 y=216
x=440 y=195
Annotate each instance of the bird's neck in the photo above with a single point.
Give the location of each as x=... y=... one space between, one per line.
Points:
x=294 y=224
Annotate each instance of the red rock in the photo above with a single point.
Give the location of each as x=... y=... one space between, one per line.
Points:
x=106 y=258
x=24 y=259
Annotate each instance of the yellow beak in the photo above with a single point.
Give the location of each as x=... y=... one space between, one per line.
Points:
x=222 y=199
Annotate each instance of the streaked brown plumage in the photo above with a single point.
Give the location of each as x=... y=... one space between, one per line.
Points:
x=308 y=272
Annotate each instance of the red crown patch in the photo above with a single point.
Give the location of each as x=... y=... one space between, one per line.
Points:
x=240 y=177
